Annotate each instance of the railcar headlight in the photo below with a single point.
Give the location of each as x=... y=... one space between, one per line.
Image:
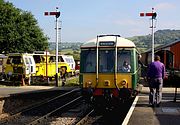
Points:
x=107 y=83
x=123 y=82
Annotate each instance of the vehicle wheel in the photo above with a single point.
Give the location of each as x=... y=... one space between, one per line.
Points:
x=27 y=81
x=63 y=71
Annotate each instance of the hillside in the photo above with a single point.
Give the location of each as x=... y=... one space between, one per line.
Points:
x=161 y=37
x=65 y=46
x=142 y=42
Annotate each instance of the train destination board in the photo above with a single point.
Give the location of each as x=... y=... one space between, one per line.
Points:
x=106 y=43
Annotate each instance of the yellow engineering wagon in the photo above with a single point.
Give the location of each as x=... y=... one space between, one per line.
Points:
x=46 y=65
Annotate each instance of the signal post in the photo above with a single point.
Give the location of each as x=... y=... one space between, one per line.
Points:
x=57 y=15
x=153 y=17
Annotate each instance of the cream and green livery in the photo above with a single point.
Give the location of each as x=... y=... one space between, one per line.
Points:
x=109 y=68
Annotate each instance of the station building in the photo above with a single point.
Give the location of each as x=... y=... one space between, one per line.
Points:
x=169 y=53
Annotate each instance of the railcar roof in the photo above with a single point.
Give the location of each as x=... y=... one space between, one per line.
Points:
x=121 y=42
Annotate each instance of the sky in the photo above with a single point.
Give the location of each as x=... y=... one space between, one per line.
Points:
x=82 y=20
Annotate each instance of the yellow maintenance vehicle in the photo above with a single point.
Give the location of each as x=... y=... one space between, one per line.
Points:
x=19 y=66
x=65 y=59
x=70 y=60
x=3 y=59
x=46 y=65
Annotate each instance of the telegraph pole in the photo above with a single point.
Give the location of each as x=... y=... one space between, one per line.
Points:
x=153 y=17
x=56 y=14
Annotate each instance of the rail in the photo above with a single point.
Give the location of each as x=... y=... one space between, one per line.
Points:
x=37 y=121
x=55 y=102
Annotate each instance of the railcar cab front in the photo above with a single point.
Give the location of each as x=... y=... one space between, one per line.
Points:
x=109 y=67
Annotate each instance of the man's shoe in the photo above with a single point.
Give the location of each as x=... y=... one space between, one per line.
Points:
x=158 y=105
x=151 y=106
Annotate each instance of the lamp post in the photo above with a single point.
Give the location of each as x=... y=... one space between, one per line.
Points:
x=56 y=14
x=153 y=17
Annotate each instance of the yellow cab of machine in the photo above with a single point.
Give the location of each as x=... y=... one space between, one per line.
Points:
x=19 y=65
x=46 y=63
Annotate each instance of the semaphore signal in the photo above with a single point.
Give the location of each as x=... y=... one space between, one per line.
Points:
x=149 y=14
x=153 y=15
x=57 y=14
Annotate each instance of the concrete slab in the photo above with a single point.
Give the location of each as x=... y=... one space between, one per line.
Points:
x=7 y=91
x=167 y=114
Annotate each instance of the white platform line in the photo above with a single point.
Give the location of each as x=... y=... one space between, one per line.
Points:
x=126 y=120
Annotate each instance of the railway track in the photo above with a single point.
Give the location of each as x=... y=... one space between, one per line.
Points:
x=40 y=120
x=89 y=119
x=106 y=117
x=68 y=109
x=36 y=114
x=68 y=117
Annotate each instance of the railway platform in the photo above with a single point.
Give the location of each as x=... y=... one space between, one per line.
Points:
x=11 y=98
x=7 y=91
x=167 y=114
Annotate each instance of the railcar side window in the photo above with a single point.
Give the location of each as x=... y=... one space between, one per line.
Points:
x=37 y=58
x=88 y=61
x=60 y=59
x=124 y=61
x=52 y=59
x=30 y=60
x=106 y=61
x=26 y=60
x=14 y=60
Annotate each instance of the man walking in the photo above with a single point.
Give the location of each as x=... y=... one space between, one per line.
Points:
x=155 y=75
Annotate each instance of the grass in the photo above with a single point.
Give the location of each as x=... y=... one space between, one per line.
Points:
x=73 y=81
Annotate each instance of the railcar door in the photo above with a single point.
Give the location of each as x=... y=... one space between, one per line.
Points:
x=27 y=65
x=32 y=65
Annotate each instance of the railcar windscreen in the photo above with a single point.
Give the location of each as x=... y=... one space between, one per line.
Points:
x=124 y=60
x=88 y=61
x=106 y=60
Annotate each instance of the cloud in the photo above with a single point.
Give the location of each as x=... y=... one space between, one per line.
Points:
x=165 y=6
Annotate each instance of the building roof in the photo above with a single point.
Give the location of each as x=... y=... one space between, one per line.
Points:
x=164 y=46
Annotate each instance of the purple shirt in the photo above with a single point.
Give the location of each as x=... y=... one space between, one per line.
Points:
x=156 y=70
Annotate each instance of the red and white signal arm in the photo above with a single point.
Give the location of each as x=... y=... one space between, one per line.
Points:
x=149 y=14
x=57 y=14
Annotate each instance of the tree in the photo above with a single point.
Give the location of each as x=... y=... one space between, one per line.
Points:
x=19 y=30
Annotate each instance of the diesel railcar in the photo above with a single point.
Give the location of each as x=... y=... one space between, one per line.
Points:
x=109 y=69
